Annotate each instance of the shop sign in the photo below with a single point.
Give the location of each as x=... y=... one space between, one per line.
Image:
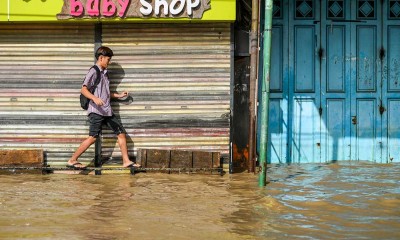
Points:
x=133 y=9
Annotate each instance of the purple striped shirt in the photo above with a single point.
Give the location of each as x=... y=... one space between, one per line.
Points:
x=102 y=91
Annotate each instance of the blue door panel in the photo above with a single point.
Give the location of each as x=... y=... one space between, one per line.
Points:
x=393 y=56
x=336 y=59
x=336 y=136
x=305 y=134
x=394 y=130
x=365 y=124
x=304 y=59
x=276 y=73
x=277 y=132
x=366 y=58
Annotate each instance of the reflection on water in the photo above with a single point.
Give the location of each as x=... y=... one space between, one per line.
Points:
x=345 y=200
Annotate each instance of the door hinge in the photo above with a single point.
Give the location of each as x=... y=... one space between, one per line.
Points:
x=382 y=109
x=320 y=53
x=354 y=120
x=382 y=53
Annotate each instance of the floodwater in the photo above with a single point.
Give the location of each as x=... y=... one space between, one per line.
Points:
x=344 y=200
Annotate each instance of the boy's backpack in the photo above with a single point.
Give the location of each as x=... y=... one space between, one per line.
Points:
x=84 y=100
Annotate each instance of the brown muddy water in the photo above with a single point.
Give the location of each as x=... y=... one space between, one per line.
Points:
x=345 y=200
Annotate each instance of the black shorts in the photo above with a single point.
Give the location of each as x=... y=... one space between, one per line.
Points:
x=96 y=122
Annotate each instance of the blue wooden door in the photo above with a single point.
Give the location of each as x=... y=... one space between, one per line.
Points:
x=335 y=81
x=351 y=89
x=360 y=75
x=304 y=82
x=294 y=117
x=335 y=54
x=390 y=70
x=366 y=80
x=278 y=129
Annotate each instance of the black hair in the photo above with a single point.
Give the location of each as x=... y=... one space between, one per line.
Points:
x=105 y=51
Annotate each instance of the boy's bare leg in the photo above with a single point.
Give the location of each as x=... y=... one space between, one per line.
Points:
x=81 y=149
x=124 y=151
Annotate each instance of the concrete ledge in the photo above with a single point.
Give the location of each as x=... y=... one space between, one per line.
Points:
x=156 y=158
x=21 y=157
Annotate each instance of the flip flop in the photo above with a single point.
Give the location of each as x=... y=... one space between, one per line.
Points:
x=74 y=167
x=132 y=165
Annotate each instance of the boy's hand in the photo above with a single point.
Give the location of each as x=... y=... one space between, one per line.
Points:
x=98 y=101
x=123 y=94
x=119 y=95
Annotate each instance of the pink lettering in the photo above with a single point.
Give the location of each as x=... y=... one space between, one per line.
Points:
x=76 y=8
x=109 y=8
x=92 y=7
x=124 y=6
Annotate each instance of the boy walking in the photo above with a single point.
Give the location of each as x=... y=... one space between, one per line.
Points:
x=99 y=110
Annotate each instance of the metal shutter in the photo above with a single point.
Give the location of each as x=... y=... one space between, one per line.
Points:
x=41 y=70
x=178 y=77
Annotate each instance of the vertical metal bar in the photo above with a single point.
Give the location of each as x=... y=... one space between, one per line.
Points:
x=265 y=92
x=97 y=155
x=97 y=44
x=98 y=40
x=253 y=80
x=232 y=84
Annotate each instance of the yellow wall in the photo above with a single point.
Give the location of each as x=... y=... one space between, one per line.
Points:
x=38 y=10
x=3 y=10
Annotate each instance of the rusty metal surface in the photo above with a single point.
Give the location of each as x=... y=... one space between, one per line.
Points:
x=22 y=157
x=5 y=170
x=158 y=158
x=202 y=159
x=181 y=159
x=240 y=122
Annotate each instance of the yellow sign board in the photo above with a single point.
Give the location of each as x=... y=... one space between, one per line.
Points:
x=3 y=10
x=118 y=10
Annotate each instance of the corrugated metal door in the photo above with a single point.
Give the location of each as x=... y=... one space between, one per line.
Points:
x=41 y=71
x=178 y=77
